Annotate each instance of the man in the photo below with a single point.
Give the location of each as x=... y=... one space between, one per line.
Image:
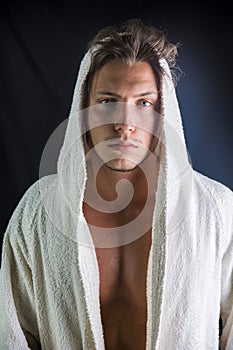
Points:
x=126 y=247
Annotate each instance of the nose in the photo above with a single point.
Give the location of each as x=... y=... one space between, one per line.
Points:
x=124 y=121
x=124 y=128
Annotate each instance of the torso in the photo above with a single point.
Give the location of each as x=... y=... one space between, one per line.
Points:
x=123 y=272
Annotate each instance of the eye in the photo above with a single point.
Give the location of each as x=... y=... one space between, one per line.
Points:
x=144 y=103
x=107 y=101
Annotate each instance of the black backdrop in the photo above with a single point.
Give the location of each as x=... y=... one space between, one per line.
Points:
x=42 y=43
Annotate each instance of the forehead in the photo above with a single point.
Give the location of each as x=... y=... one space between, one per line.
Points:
x=121 y=75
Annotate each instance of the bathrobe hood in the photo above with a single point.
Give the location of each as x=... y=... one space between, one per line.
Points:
x=175 y=175
x=64 y=203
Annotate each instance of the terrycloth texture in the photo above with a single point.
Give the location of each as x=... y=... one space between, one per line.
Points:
x=49 y=277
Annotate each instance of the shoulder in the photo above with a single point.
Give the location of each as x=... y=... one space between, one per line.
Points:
x=217 y=201
x=213 y=189
x=33 y=196
x=20 y=230
x=29 y=205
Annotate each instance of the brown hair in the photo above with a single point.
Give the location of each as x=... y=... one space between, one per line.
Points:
x=131 y=42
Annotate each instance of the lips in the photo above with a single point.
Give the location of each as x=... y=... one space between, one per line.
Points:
x=123 y=146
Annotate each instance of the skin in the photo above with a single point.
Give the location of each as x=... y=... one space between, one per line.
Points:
x=132 y=120
x=123 y=268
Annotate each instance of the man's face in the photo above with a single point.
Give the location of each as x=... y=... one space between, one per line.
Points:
x=127 y=96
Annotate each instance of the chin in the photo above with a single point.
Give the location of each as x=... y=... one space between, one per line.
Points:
x=122 y=165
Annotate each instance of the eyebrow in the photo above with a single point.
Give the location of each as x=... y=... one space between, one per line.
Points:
x=109 y=93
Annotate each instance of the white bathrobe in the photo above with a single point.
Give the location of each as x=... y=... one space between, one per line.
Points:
x=49 y=287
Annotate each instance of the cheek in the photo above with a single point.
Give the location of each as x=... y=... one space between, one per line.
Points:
x=100 y=134
x=147 y=131
x=148 y=139
x=155 y=128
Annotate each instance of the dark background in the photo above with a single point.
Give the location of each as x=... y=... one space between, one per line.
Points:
x=42 y=43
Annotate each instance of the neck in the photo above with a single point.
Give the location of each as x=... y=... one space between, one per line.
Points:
x=132 y=186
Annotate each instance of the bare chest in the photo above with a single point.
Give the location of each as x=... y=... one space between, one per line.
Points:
x=123 y=277
x=123 y=272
